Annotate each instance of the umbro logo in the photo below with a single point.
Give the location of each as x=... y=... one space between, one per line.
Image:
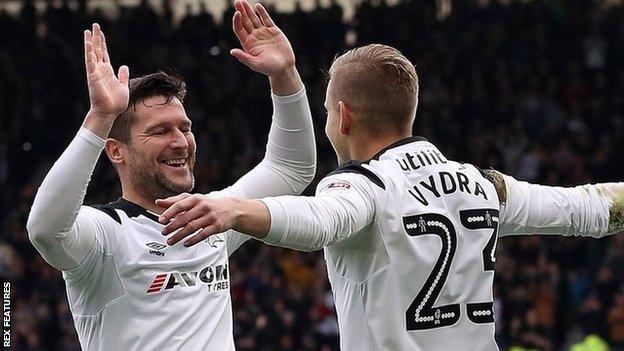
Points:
x=157 y=249
x=156 y=246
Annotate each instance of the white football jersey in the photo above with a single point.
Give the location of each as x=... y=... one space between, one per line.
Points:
x=420 y=276
x=128 y=289
x=410 y=241
x=135 y=292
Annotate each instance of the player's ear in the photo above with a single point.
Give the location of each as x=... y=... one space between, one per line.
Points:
x=114 y=151
x=346 y=117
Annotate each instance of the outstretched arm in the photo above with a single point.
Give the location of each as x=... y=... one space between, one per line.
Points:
x=55 y=226
x=593 y=210
x=297 y=222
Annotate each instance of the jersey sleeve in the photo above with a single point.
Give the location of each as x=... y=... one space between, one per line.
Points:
x=59 y=229
x=586 y=210
x=344 y=205
x=289 y=163
x=88 y=257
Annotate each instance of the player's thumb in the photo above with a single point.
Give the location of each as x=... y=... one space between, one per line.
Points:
x=123 y=74
x=243 y=57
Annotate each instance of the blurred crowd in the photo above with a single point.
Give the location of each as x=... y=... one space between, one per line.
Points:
x=532 y=88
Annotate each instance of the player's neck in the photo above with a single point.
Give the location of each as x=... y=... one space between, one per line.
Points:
x=129 y=194
x=365 y=149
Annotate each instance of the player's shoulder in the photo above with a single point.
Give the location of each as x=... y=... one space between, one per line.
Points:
x=112 y=210
x=488 y=174
x=375 y=168
x=351 y=176
x=418 y=153
x=351 y=169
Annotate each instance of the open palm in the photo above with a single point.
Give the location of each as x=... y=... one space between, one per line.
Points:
x=265 y=48
x=108 y=94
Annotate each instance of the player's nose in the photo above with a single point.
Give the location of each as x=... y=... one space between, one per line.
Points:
x=179 y=140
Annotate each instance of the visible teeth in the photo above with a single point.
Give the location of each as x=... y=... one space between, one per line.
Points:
x=176 y=162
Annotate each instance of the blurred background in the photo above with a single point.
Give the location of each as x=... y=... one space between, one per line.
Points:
x=532 y=88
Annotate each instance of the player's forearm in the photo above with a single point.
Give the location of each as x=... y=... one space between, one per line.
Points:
x=289 y=164
x=291 y=149
x=286 y=83
x=61 y=193
x=588 y=210
x=311 y=223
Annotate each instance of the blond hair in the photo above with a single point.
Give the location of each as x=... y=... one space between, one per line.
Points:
x=379 y=84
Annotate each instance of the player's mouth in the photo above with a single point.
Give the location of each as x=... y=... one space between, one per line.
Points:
x=175 y=163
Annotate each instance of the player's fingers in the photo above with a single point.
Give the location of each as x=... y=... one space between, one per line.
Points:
x=171 y=200
x=89 y=57
x=237 y=26
x=203 y=235
x=178 y=207
x=264 y=16
x=97 y=30
x=190 y=228
x=97 y=43
x=106 y=58
x=238 y=5
x=255 y=21
x=99 y=55
x=193 y=214
x=123 y=74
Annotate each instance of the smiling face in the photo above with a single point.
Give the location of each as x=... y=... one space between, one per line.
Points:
x=159 y=159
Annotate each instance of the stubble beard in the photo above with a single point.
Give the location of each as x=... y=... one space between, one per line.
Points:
x=153 y=184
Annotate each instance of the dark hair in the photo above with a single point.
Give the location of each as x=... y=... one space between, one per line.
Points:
x=142 y=88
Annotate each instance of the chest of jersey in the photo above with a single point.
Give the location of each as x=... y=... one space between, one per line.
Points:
x=148 y=266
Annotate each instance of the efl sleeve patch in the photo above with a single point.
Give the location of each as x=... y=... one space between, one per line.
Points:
x=334 y=186
x=356 y=167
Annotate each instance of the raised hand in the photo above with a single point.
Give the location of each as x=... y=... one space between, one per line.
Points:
x=108 y=93
x=265 y=49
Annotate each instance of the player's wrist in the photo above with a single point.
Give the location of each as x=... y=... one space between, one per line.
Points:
x=96 y=113
x=98 y=123
x=251 y=217
x=288 y=72
x=286 y=81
